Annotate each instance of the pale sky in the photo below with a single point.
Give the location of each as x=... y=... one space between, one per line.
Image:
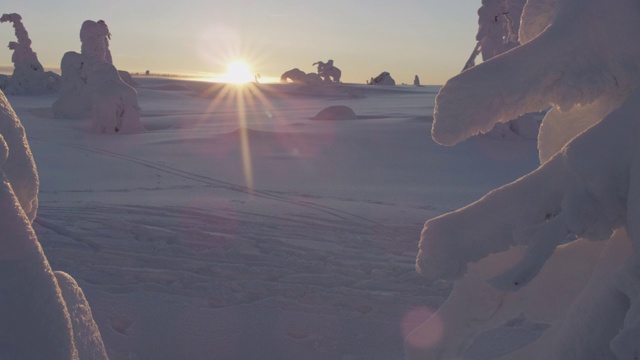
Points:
x=428 y=38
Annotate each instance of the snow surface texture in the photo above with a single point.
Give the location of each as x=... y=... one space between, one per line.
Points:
x=28 y=75
x=39 y=321
x=576 y=215
x=181 y=259
x=384 y=79
x=92 y=86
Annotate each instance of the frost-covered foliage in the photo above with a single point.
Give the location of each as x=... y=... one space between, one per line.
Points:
x=383 y=79
x=39 y=321
x=559 y=245
x=28 y=75
x=91 y=86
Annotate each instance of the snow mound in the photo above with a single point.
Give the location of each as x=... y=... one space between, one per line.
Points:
x=336 y=112
x=383 y=79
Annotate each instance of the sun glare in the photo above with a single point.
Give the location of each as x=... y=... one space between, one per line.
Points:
x=238 y=72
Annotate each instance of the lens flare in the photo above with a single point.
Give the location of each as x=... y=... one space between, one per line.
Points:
x=238 y=72
x=422 y=328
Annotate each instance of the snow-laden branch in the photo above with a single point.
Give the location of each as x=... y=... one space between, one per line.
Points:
x=561 y=244
x=571 y=63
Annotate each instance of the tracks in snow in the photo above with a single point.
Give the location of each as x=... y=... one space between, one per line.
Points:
x=210 y=181
x=224 y=258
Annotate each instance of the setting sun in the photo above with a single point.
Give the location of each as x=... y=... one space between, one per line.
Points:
x=238 y=72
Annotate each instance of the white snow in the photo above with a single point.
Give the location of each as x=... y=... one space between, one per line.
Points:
x=238 y=226
x=187 y=247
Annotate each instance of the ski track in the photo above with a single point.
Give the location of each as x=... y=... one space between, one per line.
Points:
x=207 y=180
x=265 y=252
x=230 y=259
x=342 y=265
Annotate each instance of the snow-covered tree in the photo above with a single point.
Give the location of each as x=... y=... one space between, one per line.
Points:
x=559 y=245
x=328 y=72
x=114 y=103
x=298 y=76
x=383 y=79
x=28 y=75
x=92 y=86
x=44 y=314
